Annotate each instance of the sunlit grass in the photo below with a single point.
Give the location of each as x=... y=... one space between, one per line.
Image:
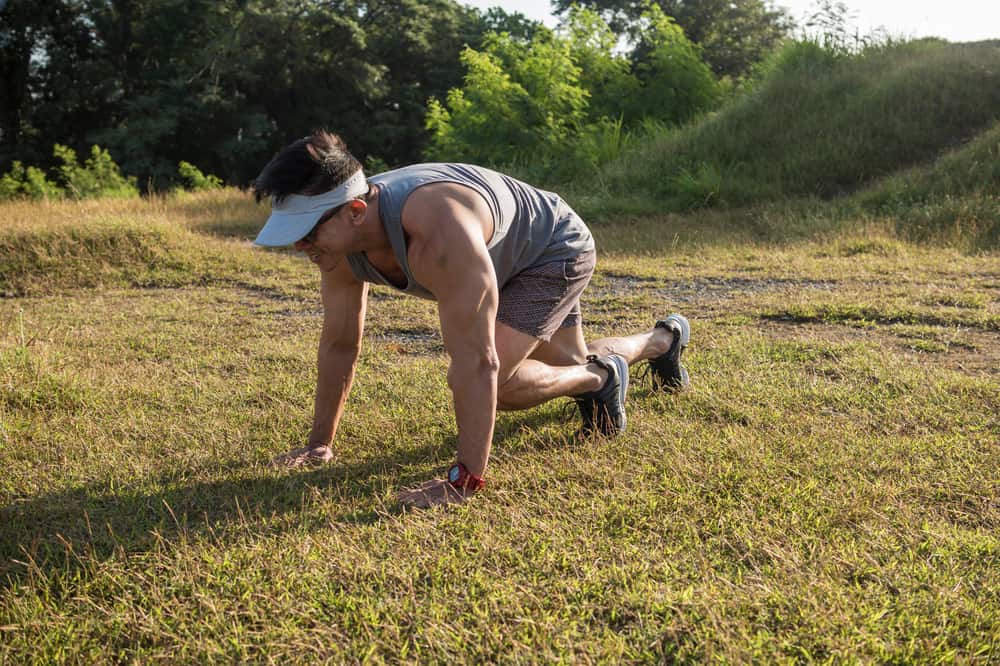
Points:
x=828 y=490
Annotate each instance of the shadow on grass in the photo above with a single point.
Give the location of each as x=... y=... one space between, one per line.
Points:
x=60 y=533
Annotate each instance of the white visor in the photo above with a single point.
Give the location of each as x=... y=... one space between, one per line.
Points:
x=297 y=214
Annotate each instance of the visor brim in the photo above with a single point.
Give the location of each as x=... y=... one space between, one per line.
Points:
x=286 y=228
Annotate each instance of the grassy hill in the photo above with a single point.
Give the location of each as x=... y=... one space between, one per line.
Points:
x=817 y=124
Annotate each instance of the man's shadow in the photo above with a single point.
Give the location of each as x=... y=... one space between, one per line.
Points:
x=64 y=530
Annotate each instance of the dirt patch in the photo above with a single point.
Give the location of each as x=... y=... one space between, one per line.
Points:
x=973 y=352
x=411 y=342
x=703 y=289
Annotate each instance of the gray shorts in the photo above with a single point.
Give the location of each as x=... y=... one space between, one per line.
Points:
x=546 y=297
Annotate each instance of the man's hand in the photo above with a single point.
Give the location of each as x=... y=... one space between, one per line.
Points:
x=432 y=493
x=307 y=456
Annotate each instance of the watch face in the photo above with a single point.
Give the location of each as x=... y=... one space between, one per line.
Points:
x=454 y=473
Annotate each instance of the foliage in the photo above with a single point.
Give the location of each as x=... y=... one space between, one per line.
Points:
x=224 y=84
x=193 y=179
x=517 y=97
x=99 y=176
x=675 y=84
x=604 y=73
x=27 y=182
x=515 y=24
x=733 y=34
x=561 y=102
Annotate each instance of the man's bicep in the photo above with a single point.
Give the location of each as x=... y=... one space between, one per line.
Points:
x=467 y=310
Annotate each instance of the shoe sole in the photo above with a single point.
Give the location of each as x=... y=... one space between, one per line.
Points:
x=623 y=378
x=683 y=325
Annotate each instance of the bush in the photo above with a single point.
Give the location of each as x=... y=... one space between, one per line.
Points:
x=675 y=83
x=516 y=99
x=98 y=177
x=27 y=183
x=566 y=100
x=193 y=179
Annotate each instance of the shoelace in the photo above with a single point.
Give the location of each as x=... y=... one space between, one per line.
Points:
x=645 y=373
x=570 y=409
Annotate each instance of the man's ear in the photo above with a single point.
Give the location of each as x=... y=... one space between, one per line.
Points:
x=358 y=209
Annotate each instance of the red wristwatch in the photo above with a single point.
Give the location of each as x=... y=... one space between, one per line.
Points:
x=460 y=477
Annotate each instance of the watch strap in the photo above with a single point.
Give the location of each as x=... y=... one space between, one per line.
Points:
x=460 y=477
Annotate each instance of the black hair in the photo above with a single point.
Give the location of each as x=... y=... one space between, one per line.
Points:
x=312 y=165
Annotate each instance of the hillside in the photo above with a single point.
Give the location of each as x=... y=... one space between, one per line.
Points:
x=820 y=124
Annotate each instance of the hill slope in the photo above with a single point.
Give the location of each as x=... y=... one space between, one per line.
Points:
x=816 y=124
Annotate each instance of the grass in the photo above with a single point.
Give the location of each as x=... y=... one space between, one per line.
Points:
x=828 y=491
x=912 y=125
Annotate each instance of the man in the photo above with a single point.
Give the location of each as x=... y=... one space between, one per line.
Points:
x=505 y=262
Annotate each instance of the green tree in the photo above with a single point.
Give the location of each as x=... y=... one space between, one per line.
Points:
x=675 y=83
x=733 y=34
x=516 y=99
x=565 y=100
x=223 y=83
x=605 y=73
x=515 y=24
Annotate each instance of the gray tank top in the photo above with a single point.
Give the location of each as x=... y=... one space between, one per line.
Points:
x=531 y=226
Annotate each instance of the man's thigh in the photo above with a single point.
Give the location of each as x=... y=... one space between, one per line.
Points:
x=513 y=347
x=566 y=347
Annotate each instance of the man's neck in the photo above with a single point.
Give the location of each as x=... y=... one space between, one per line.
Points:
x=371 y=234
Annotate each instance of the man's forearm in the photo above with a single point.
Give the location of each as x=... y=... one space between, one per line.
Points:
x=336 y=366
x=473 y=383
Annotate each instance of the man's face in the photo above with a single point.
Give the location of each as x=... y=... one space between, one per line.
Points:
x=320 y=244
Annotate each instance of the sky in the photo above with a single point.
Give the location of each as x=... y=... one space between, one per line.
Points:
x=954 y=20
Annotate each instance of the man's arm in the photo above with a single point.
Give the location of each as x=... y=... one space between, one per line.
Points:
x=450 y=258
x=345 y=300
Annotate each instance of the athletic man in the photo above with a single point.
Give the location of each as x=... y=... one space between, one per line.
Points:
x=506 y=264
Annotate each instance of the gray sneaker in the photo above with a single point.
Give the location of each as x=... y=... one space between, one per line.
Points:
x=668 y=373
x=603 y=410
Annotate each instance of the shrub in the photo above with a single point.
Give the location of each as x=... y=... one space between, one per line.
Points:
x=98 y=177
x=192 y=178
x=27 y=182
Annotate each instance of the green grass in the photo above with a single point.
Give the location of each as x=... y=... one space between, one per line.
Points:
x=828 y=491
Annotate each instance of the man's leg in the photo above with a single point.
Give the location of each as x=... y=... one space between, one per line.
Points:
x=637 y=347
x=525 y=382
x=533 y=371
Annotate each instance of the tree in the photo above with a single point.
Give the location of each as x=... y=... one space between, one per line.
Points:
x=515 y=24
x=223 y=83
x=733 y=34
x=675 y=84
x=563 y=98
x=516 y=99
